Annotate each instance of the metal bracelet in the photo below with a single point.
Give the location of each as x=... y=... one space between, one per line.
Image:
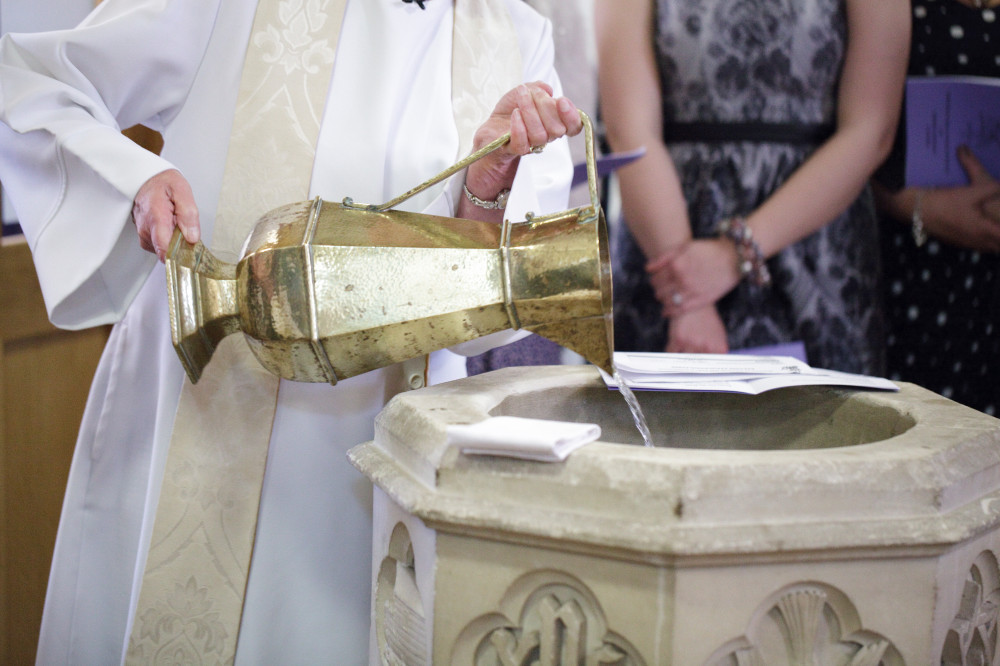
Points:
x=497 y=204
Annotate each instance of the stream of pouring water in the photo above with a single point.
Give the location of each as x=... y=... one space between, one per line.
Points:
x=633 y=404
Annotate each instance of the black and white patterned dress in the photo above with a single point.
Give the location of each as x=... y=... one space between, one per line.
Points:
x=772 y=65
x=943 y=302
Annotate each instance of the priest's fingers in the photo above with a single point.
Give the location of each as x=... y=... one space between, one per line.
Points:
x=519 y=141
x=526 y=127
x=547 y=118
x=516 y=96
x=559 y=117
x=570 y=116
x=164 y=202
x=537 y=117
x=541 y=118
x=186 y=210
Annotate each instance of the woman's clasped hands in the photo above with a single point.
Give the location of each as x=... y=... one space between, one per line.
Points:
x=694 y=275
x=687 y=281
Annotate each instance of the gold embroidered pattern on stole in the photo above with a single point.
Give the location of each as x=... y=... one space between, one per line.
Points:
x=191 y=599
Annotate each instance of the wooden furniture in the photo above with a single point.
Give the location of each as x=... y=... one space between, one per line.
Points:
x=45 y=374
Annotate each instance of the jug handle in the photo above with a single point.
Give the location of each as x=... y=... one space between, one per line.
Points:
x=496 y=144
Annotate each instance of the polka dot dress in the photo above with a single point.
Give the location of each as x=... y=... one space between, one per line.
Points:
x=951 y=38
x=943 y=303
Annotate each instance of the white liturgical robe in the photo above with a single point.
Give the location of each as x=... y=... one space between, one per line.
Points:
x=174 y=65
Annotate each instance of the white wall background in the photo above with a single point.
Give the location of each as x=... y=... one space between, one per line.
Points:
x=37 y=16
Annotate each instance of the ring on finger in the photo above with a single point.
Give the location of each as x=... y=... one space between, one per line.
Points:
x=537 y=149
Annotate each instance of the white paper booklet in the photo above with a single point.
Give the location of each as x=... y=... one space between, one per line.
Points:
x=728 y=373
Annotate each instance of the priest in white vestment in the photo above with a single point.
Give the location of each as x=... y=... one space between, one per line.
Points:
x=388 y=123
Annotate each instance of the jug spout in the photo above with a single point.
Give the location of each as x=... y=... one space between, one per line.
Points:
x=591 y=338
x=201 y=293
x=559 y=281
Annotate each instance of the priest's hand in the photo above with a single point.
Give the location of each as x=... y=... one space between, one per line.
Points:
x=164 y=202
x=533 y=117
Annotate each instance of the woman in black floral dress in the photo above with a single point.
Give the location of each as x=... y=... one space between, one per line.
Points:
x=943 y=296
x=771 y=114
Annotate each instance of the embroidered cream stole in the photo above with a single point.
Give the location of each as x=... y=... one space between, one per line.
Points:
x=192 y=592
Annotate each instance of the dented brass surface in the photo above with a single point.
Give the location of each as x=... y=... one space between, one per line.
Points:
x=326 y=290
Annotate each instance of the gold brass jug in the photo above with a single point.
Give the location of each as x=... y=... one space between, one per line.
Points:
x=326 y=291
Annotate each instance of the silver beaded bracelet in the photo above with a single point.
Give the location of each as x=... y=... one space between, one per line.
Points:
x=500 y=203
x=751 y=263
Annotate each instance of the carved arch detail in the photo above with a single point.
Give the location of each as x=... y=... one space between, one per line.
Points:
x=972 y=636
x=807 y=624
x=401 y=626
x=546 y=618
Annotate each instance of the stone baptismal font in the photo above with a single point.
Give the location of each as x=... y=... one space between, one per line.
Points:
x=803 y=526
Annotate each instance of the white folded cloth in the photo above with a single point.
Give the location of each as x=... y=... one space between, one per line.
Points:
x=517 y=437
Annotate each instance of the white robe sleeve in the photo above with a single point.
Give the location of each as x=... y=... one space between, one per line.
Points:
x=70 y=174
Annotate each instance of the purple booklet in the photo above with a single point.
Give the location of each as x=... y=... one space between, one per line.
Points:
x=606 y=165
x=943 y=113
x=796 y=350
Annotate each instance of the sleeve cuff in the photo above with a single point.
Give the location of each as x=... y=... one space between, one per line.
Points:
x=90 y=268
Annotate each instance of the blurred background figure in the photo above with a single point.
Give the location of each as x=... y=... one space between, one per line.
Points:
x=748 y=221
x=943 y=294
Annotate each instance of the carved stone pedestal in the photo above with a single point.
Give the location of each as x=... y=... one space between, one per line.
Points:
x=805 y=526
